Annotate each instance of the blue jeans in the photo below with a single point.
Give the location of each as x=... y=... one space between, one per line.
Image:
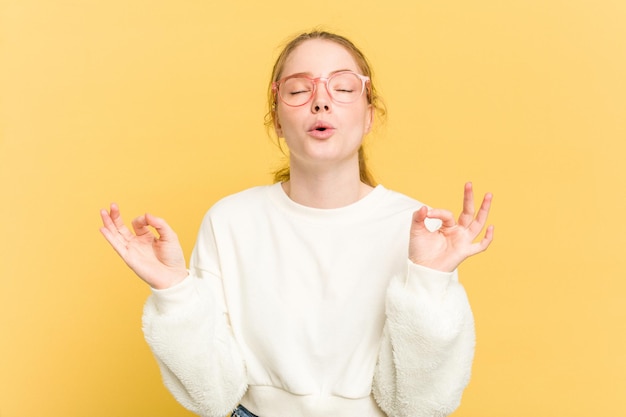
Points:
x=241 y=411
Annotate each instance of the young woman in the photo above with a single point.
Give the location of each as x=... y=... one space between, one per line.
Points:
x=322 y=294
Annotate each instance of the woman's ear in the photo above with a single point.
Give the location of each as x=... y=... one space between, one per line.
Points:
x=277 y=128
x=369 y=118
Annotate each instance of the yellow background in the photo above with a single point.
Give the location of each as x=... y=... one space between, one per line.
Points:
x=159 y=105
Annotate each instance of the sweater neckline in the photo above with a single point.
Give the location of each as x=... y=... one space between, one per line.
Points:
x=350 y=213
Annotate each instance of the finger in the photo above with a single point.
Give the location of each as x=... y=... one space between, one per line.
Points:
x=482 y=215
x=113 y=235
x=141 y=226
x=115 y=240
x=467 y=215
x=166 y=233
x=485 y=242
x=116 y=223
x=106 y=219
x=108 y=223
x=446 y=217
x=115 y=215
x=483 y=212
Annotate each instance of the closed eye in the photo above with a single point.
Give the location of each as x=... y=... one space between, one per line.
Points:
x=293 y=93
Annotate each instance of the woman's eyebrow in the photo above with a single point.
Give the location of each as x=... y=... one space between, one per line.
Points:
x=310 y=74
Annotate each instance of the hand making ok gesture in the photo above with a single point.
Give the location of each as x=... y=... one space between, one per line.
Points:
x=445 y=248
x=156 y=259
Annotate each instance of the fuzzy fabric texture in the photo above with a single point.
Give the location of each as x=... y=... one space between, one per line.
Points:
x=427 y=349
x=200 y=363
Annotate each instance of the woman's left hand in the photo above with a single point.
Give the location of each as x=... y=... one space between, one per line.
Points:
x=445 y=248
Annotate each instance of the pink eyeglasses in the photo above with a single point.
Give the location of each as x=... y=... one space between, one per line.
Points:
x=342 y=87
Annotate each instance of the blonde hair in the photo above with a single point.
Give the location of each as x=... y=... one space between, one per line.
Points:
x=373 y=98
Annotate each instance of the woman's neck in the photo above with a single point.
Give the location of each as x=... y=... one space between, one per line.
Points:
x=325 y=190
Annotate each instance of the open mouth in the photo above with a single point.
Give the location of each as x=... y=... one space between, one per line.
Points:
x=321 y=126
x=321 y=130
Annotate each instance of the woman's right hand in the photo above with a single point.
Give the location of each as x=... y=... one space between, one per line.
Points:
x=158 y=260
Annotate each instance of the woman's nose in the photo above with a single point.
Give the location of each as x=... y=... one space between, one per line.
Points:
x=321 y=99
x=318 y=107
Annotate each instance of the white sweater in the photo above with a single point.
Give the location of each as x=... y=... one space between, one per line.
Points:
x=301 y=312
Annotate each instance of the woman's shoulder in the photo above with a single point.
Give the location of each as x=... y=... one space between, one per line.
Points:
x=395 y=200
x=241 y=201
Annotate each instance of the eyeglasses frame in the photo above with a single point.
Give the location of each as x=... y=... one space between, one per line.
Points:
x=365 y=82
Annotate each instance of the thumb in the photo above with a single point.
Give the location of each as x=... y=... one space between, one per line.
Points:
x=419 y=216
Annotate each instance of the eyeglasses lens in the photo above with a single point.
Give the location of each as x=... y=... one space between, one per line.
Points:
x=344 y=87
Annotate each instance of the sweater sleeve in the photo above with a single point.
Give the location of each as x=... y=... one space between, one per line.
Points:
x=187 y=329
x=427 y=348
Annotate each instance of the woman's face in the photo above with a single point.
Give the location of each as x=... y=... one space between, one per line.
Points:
x=322 y=132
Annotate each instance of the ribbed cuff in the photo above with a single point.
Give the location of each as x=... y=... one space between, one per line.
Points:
x=176 y=297
x=420 y=278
